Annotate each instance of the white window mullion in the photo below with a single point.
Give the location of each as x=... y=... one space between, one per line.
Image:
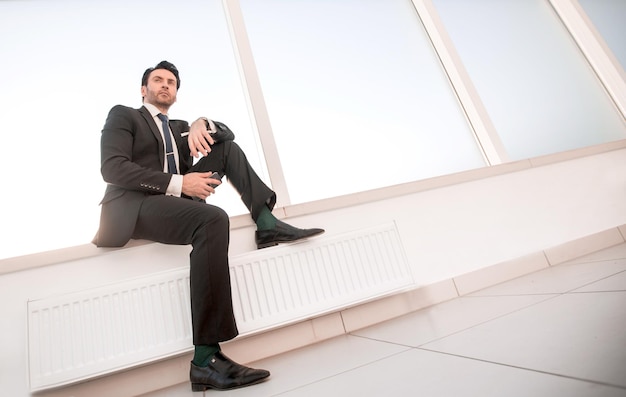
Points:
x=481 y=124
x=595 y=49
x=256 y=101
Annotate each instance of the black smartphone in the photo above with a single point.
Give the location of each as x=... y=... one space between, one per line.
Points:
x=217 y=176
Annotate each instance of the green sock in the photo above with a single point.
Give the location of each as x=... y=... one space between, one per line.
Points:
x=266 y=220
x=203 y=353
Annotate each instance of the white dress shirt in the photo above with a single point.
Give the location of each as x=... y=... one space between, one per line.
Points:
x=175 y=187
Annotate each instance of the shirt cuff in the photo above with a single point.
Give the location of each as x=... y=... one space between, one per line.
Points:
x=211 y=126
x=175 y=188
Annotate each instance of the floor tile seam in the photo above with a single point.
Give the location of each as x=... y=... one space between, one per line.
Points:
x=548 y=297
x=497 y=317
x=514 y=295
x=613 y=291
x=593 y=282
x=335 y=374
x=473 y=295
x=408 y=347
x=587 y=261
x=596 y=382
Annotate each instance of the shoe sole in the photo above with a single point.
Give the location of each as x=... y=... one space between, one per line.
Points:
x=205 y=387
x=275 y=242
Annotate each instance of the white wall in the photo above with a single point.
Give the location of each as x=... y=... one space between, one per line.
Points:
x=446 y=232
x=460 y=228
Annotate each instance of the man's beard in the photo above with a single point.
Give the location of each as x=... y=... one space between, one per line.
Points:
x=163 y=101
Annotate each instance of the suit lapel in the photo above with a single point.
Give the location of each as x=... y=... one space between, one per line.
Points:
x=155 y=131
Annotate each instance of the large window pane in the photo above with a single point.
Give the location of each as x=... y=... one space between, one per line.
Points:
x=356 y=96
x=540 y=92
x=609 y=17
x=64 y=65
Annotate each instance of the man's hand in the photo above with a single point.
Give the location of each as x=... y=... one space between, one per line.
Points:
x=199 y=138
x=198 y=184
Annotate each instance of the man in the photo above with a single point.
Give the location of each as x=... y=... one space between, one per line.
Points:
x=155 y=192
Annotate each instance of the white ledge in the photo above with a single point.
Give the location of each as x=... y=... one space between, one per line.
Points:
x=47 y=258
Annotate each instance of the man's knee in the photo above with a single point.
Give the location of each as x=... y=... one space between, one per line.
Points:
x=216 y=217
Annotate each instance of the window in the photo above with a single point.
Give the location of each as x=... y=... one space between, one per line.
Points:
x=356 y=96
x=608 y=17
x=540 y=92
x=64 y=65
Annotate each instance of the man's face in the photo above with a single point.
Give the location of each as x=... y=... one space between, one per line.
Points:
x=160 y=89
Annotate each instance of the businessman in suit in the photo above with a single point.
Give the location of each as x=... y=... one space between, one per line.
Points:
x=155 y=192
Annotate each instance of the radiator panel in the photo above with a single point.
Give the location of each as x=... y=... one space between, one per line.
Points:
x=84 y=334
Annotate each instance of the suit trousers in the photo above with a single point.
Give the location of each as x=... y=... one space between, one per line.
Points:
x=175 y=220
x=228 y=159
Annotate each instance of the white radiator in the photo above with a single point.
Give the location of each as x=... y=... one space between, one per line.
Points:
x=81 y=335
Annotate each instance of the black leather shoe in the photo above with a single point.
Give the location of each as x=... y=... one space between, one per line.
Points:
x=224 y=374
x=283 y=233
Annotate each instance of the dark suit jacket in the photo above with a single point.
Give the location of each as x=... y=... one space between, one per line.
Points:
x=132 y=155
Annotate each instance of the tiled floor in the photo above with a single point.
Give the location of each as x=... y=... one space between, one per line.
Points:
x=558 y=332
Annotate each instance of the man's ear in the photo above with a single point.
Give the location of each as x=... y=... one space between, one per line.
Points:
x=143 y=91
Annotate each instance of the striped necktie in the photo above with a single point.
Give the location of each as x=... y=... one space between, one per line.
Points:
x=169 y=151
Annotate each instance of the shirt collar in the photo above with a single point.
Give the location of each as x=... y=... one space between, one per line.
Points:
x=154 y=111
